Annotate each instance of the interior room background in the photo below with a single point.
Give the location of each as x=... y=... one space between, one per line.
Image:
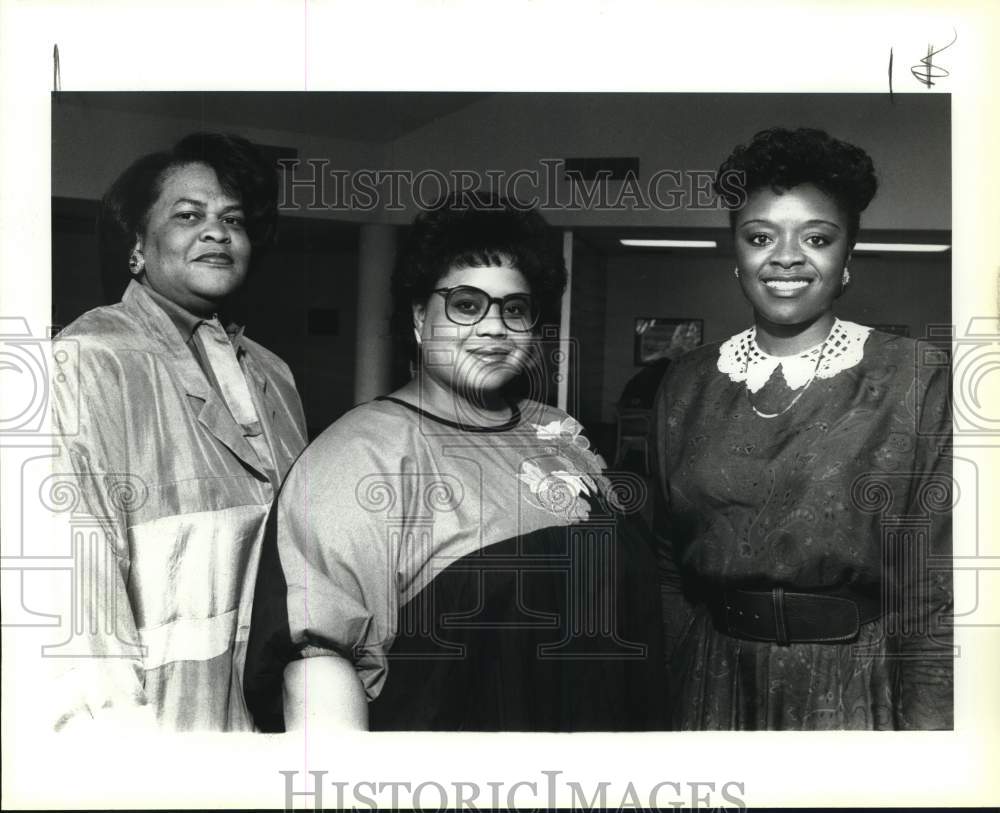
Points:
x=320 y=297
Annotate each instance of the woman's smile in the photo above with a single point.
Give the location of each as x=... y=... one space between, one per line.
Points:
x=786 y=286
x=215 y=258
x=791 y=250
x=491 y=353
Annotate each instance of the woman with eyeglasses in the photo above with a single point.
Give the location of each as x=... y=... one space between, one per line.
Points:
x=452 y=556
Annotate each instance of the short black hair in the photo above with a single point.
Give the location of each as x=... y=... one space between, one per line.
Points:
x=781 y=159
x=242 y=172
x=457 y=234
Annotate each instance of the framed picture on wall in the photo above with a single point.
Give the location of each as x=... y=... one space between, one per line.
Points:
x=658 y=338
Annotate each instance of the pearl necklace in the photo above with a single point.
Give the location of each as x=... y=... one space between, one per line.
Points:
x=795 y=400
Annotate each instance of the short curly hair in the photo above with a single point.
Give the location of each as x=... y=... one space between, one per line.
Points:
x=781 y=158
x=455 y=234
x=242 y=172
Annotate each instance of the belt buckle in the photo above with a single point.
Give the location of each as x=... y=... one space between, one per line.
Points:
x=734 y=623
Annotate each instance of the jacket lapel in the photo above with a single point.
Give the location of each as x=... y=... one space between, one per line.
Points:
x=212 y=412
x=273 y=413
x=214 y=415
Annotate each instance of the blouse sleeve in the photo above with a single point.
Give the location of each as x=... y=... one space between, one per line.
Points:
x=327 y=582
x=103 y=671
x=920 y=570
x=677 y=611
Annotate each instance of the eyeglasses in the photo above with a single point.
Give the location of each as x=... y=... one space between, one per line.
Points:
x=467 y=305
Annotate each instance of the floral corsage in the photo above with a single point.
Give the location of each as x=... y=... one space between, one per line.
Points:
x=567 y=474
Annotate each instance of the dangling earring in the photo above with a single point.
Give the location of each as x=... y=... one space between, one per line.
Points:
x=136 y=262
x=416 y=336
x=736 y=271
x=845 y=277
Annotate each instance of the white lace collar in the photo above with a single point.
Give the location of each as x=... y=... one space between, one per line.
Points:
x=742 y=360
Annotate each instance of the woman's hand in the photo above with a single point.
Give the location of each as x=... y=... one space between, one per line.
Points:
x=324 y=693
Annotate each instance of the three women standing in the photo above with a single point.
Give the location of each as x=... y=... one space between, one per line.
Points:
x=453 y=555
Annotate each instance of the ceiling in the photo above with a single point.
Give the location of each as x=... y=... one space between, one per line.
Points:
x=371 y=117
x=607 y=240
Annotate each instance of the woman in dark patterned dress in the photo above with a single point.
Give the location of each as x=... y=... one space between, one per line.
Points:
x=452 y=556
x=804 y=479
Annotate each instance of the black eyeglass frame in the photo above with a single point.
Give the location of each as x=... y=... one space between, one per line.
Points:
x=501 y=300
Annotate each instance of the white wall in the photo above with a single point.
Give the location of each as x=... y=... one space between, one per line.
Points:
x=908 y=139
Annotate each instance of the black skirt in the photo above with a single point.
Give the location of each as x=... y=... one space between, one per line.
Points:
x=559 y=630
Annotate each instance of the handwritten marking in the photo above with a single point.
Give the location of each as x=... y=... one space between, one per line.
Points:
x=56 y=77
x=926 y=72
x=891 y=99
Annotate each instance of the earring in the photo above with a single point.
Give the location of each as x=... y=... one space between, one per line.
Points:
x=736 y=271
x=845 y=277
x=416 y=336
x=136 y=262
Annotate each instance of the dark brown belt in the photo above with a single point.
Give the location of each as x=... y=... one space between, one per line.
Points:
x=791 y=617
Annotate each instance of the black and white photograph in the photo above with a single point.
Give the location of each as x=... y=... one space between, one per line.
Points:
x=454 y=520
x=530 y=424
